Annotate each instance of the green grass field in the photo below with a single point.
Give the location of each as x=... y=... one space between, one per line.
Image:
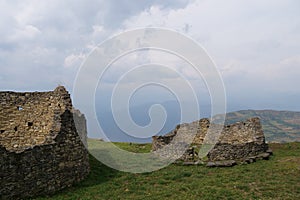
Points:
x=277 y=178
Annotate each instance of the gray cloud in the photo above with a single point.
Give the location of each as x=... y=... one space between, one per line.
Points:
x=40 y=37
x=254 y=43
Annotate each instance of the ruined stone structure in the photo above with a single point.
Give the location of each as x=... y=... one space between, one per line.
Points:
x=239 y=142
x=41 y=150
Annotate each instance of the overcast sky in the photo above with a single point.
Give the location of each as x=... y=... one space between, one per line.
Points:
x=255 y=44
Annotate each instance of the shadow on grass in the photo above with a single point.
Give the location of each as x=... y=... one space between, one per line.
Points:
x=99 y=173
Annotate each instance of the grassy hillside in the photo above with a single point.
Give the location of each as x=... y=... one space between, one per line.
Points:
x=278 y=126
x=277 y=178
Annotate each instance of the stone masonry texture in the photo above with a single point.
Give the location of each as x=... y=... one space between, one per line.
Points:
x=41 y=151
x=237 y=142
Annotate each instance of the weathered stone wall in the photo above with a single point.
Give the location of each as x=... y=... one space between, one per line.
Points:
x=243 y=132
x=40 y=149
x=239 y=140
x=225 y=151
x=81 y=125
x=200 y=127
x=236 y=142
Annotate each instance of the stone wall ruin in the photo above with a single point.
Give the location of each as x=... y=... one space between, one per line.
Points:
x=239 y=142
x=41 y=151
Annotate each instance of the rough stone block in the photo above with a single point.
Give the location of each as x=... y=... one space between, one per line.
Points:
x=32 y=140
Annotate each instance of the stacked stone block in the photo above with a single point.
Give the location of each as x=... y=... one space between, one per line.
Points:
x=41 y=150
x=237 y=142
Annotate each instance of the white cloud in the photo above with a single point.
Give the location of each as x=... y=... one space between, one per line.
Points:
x=252 y=42
x=283 y=76
x=74 y=60
x=27 y=32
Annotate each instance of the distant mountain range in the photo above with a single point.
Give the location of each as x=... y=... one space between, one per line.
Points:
x=278 y=126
